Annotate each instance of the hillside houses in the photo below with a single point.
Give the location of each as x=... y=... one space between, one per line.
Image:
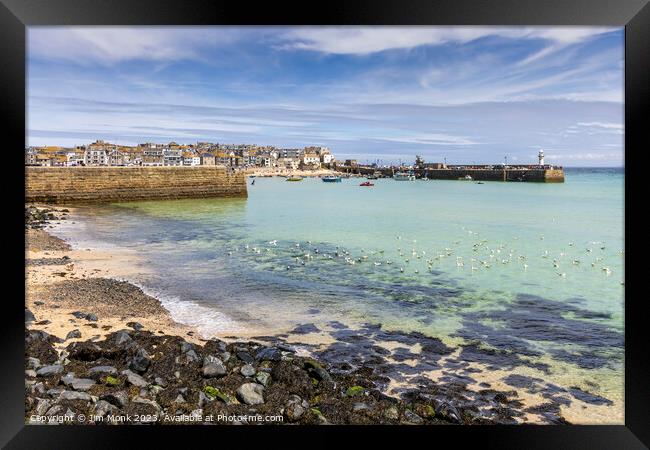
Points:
x=149 y=154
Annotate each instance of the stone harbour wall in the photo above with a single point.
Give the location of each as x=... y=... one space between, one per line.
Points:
x=115 y=184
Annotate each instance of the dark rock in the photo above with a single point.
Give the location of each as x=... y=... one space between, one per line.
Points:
x=191 y=356
x=448 y=412
x=269 y=354
x=119 y=398
x=135 y=325
x=122 y=337
x=140 y=361
x=246 y=357
x=73 y=334
x=412 y=418
x=29 y=316
x=187 y=346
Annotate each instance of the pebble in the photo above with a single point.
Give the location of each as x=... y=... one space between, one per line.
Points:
x=103 y=369
x=247 y=370
x=295 y=408
x=73 y=395
x=251 y=393
x=263 y=378
x=46 y=371
x=135 y=379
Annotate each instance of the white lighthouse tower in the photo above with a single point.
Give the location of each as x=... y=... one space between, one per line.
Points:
x=540 y=157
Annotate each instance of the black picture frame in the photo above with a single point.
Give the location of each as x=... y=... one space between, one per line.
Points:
x=16 y=15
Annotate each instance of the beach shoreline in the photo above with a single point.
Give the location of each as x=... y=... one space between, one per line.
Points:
x=79 y=296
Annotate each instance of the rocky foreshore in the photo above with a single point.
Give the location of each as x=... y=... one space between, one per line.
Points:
x=135 y=376
x=114 y=356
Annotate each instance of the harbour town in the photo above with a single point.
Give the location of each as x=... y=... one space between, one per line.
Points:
x=237 y=160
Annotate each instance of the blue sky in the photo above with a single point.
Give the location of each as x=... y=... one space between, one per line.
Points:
x=468 y=94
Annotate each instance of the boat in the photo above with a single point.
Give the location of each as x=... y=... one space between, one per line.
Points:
x=466 y=178
x=480 y=182
x=294 y=178
x=371 y=177
x=331 y=179
x=367 y=183
x=403 y=176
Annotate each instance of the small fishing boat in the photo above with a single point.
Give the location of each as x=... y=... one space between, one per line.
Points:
x=466 y=178
x=366 y=183
x=331 y=179
x=294 y=178
x=403 y=176
x=480 y=182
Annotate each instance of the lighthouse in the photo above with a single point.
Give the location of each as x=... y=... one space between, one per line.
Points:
x=540 y=156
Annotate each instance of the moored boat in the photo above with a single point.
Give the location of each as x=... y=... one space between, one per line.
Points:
x=466 y=178
x=404 y=176
x=331 y=179
x=367 y=183
x=294 y=178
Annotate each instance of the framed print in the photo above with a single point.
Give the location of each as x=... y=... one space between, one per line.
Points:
x=376 y=217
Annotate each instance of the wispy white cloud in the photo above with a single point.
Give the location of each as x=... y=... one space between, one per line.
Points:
x=432 y=139
x=366 y=40
x=110 y=45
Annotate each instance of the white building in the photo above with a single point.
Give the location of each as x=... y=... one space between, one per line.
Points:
x=95 y=156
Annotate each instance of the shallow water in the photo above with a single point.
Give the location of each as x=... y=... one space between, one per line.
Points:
x=535 y=270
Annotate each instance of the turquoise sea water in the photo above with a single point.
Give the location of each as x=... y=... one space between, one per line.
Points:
x=529 y=268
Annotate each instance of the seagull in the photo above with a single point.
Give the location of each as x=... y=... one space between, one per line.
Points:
x=607 y=270
x=274 y=242
x=563 y=275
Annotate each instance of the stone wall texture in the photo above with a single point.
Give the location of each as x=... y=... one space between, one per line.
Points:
x=114 y=184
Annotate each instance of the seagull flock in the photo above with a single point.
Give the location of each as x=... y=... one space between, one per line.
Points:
x=412 y=259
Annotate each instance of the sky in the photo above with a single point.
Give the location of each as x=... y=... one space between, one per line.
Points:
x=467 y=94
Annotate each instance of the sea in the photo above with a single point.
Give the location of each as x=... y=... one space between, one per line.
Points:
x=530 y=272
